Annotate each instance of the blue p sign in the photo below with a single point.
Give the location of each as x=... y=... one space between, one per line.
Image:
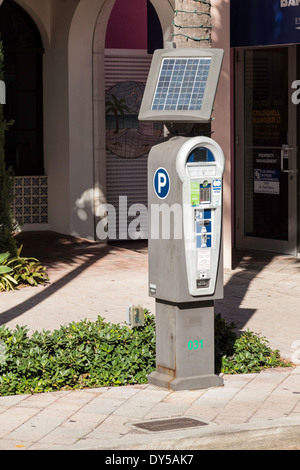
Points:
x=161 y=183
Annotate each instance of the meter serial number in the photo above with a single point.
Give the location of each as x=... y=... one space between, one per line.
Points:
x=195 y=344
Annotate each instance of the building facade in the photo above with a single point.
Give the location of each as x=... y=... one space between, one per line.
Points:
x=75 y=74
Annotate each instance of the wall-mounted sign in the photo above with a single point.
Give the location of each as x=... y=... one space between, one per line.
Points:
x=264 y=22
x=266 y=174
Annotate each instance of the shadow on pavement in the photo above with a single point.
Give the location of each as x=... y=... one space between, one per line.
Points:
x=247 y=267
x=55 y=250
x=52 y=248
x=236 y=287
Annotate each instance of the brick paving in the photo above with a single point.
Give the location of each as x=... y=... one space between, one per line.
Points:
x=104 y=418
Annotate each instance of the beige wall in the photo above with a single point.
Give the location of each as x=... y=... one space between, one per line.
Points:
x=222 y=125
x=83 y=73
x=56 y=110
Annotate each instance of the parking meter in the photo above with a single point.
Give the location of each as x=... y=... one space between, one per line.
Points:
x=185 y=187
x=185 y=223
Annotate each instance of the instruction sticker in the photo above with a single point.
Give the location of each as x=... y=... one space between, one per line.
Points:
x=217 y=192
x=195 y=194
x=203 y=259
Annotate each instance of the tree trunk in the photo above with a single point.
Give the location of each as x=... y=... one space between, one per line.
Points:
x=192 y=23
x=192 y=27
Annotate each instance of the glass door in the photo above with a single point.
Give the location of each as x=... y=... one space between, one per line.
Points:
x=265 y=150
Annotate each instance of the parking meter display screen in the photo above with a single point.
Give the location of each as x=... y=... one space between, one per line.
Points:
x=201 y=154
x=181 y=84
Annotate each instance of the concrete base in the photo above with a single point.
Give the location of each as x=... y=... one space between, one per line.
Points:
x=185 y=345
x=184 y=383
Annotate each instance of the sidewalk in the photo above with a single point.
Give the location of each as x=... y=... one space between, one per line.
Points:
x=253 y=411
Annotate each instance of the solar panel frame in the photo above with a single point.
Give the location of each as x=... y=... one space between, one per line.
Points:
x=166 y=100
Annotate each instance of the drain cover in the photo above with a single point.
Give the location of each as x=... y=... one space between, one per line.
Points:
x=169 y=424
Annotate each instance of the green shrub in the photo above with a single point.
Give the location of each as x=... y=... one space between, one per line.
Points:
x=7 y=282
x=251 y=353
x=244 y=353
x=97 y=354
x=20 y=271
x=83 y=354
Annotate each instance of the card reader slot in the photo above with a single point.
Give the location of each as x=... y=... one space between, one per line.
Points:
x=206 y=223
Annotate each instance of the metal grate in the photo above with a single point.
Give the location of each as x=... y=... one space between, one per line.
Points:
x=169 y=424
x=127 y=176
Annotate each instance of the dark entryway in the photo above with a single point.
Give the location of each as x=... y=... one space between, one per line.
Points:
x=24 y=85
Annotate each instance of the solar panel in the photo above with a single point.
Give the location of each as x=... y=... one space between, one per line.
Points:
x=181 y=84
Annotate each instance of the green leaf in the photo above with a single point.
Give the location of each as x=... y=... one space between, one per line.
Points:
x=4 y=257
x=11 y=279
x=5 y=269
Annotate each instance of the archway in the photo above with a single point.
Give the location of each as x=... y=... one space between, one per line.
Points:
x=87 y=110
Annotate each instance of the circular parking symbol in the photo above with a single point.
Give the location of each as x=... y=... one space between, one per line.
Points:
x=161 y=183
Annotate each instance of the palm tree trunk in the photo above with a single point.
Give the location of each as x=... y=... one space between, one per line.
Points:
x=192 y=27
x=192 y=23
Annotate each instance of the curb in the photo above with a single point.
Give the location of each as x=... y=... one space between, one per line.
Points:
x=281 y=434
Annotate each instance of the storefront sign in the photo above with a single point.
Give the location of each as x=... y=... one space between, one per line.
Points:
x=264 y=22
x=266 y=116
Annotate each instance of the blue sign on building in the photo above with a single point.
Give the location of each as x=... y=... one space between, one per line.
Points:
x=264 y=22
